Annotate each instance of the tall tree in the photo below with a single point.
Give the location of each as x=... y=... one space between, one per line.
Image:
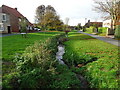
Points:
x=110 y=8
x=79 y=26
x=48 y=18
x=40 y=11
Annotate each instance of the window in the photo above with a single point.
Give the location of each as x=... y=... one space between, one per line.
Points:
x=4 y=17
x=1 y=27
x=19 y=20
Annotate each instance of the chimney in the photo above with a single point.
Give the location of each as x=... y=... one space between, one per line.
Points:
x=15 y=8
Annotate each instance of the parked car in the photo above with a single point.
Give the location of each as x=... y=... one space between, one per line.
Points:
x=37 y=29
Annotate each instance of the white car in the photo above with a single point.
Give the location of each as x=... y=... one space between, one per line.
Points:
x=35 y=28
x=38 y=29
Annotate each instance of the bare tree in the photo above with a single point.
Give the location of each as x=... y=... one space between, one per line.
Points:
x=110 y=8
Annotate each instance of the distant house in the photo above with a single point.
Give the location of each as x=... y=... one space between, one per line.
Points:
x=9 y=19
x=96 y=24
x=118 y=20
x=107 y=23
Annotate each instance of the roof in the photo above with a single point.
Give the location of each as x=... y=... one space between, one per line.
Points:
x=11 y=10
x=96 y=22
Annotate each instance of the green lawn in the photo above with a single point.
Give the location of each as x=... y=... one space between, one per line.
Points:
x=16 y=44
x=11 y=45
x=99 y=60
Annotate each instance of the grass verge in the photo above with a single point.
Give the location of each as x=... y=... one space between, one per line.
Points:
x=96 y=60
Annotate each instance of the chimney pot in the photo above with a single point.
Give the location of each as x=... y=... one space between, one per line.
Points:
x=15 y=8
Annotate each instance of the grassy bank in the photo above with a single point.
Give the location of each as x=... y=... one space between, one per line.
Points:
x=38 y=68
x=94 y=59
x=11 y=45
x=16 y=44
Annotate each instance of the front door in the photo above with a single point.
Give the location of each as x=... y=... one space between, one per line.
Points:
x=9 y=29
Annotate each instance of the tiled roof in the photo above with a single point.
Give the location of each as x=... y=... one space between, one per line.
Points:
x=11 y=10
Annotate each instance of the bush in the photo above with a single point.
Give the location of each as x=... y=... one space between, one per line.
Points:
x=35 y=66
x=90 y=30
x=117 y=31
x=102 y=29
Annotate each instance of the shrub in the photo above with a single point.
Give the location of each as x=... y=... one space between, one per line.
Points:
x=102 y=30
x=117 y=31
x=90 y=30
x=35 y=66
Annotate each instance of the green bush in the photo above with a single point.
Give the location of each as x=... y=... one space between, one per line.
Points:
x=102 y=29
x=117 y=31
x=35 y=67
x=90 y=30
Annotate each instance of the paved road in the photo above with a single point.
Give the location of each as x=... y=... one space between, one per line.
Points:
x=3 y=35
x=106 y=39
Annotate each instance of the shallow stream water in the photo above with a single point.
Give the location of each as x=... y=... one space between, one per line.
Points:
x=60 y=53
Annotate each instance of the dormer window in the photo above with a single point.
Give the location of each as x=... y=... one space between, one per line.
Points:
x=4 y=17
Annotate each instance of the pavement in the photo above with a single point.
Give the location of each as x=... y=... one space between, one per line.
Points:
x=108 y=39
x=4 y=35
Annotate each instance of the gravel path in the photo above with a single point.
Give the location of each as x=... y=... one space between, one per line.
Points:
x=106 y=39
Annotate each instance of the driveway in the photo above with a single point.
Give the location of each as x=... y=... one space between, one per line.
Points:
x=106 y=39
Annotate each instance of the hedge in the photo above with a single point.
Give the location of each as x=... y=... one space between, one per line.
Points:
x=117 y=31
x=102 y=29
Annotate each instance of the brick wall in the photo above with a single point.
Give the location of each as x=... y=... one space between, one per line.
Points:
x=14 y=23
x=13 y=20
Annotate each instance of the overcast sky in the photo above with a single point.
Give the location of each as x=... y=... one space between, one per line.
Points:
x=75 y=10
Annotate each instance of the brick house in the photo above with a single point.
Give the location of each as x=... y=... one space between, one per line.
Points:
x=4 y=22
x=118 y=20
x=10 y=18
x=96 y=24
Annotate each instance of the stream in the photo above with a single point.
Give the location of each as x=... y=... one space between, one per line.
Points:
x=60 y=53
x=59 y=57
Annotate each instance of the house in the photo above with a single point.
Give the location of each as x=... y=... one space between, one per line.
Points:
x=107 y=23
x=96 y=24
x=10 y=18
x=4 y=22
x=118 y=20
